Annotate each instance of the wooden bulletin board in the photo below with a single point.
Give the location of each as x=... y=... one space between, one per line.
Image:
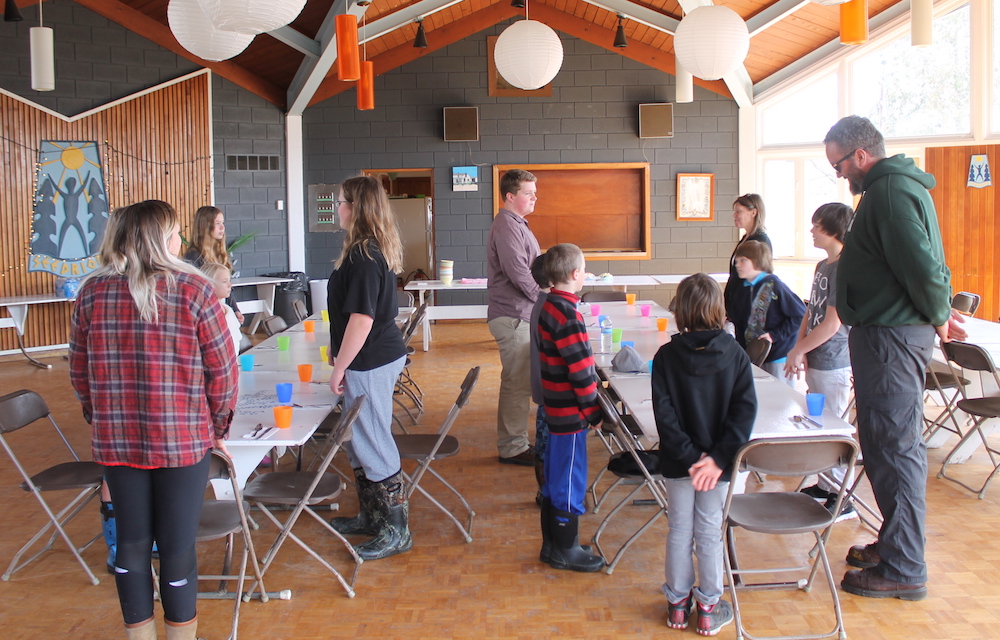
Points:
x=601 y=207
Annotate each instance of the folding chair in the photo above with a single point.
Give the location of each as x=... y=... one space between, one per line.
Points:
x=406 y=386
x=303 y=489
x=972 y=357
x=603 y=296
x=948 y=386
x=758 y=351
x=274 y=324
x=785 y=513
x=641 y=479
x=299 y=309
x=426 y=448
x=965 y=303
x=18 y=410
x=404 y=298
x=611 y=441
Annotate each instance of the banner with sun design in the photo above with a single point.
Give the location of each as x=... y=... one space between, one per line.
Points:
x=71 y=209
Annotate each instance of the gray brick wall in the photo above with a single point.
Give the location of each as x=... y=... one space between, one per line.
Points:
x=592 y=116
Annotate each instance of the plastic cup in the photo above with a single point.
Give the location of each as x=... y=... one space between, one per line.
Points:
x=309 y=325
x=629 y=298
x=815 y=402
x=305 y=373
x=446 y=271
x=650 y=365
x=595 y=310
x=284 y=342
x=322 y=355
x=628 y=343
x=662 y=324
x=616 y=335
x=283 y=417
x=645 y=309
x=246 y=362
x=325 y=314
x=284 y=390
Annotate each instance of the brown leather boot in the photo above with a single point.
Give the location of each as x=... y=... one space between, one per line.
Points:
x=863 y=556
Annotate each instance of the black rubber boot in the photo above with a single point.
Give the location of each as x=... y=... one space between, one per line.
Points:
x=566 y=550
x=392 y=514
x=539 y=478
x=546 y=553
x=364 y=522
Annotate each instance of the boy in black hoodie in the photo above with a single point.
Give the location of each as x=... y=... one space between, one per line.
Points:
x=705 y=405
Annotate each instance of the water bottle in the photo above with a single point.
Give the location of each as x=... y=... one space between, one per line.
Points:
x=605 y=334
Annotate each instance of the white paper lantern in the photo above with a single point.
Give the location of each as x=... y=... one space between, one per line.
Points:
x=193 y=30
x=43 y=60
x=251 y=16
x=711 y=41
x=528 y=54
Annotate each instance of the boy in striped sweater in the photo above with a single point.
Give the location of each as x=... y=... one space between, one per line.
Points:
x=569 y=388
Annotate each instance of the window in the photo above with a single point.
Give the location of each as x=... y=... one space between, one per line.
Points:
x=805 y=116
x=918 y=91
x=779 y=202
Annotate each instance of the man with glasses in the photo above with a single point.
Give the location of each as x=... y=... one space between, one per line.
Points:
x=893 y=289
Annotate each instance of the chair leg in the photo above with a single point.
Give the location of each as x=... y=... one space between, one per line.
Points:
x=975 y=430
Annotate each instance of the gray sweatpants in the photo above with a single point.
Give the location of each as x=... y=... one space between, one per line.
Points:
x=889 y=364
x=372 y=446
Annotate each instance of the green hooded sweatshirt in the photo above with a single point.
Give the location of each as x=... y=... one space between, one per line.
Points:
x=892 y=270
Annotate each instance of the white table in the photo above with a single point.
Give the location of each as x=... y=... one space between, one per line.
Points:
x=263 y=306
x=17 y=307
x=676 y=278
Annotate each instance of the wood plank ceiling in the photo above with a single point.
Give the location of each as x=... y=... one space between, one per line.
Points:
x=269 y=65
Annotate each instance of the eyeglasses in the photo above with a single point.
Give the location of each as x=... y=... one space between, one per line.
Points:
x=337 y=203
x=836 y=165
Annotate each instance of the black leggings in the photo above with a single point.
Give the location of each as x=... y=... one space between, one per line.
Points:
x=162 y=505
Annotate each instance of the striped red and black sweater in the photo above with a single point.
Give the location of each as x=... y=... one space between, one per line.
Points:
x=569 y=382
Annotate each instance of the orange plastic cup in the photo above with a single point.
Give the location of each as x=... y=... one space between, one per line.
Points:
x=629 y=298
x=283 y=417
x=662 y=324
x=309 y=325
x=305 y=373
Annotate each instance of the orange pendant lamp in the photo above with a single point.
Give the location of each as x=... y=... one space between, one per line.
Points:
x=854 y=22
x=348 y=55
x=366 y=86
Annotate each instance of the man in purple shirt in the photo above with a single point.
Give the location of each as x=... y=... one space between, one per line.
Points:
x=512 y=292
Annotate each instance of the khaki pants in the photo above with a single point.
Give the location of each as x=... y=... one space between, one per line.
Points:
x=513 y=337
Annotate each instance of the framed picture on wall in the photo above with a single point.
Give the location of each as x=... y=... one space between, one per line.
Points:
x=465 y=178
x=695 y=196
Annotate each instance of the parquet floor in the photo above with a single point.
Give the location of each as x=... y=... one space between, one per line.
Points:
x=494 y=587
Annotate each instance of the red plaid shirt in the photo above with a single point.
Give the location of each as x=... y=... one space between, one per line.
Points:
x=152 y=392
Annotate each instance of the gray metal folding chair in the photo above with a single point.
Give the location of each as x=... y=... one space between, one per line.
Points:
x=426 y=448
x=406 y=386
x=640 y=479
x=299 y=309
x=603 y=296
x=274 y=324
x=758 y=351
x=965 y=303
x=948 y=387
x=971 y=357
x=23 y=408
x=785 y=513
x=301 y=490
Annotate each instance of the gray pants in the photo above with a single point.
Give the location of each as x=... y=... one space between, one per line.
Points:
x=695 y=519
x=889 y=364
x=372 y=446
x=514 y=403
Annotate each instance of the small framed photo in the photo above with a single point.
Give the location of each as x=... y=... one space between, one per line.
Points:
x=695 y=196
x=465 y=178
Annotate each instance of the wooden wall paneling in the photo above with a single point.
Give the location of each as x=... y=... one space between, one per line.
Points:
x=968 y=219
x=155 y=145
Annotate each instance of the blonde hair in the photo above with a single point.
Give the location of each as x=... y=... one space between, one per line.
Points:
x=213 y=270
x=372 y=222
x=698 y=305
x=209 y=248
x=135 y=246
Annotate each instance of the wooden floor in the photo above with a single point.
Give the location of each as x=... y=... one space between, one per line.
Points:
x=494 y=587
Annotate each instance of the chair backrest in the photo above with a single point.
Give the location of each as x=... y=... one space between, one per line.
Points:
x=603 y=296
x=404 y=298
x=24 y=407
x=411 y=325
x=970 y=357
x=797 y=456
x=758 y=351
x=274 y=324
x=621 y=433
x=299 y=308
x=965 y=302
x=468 y=385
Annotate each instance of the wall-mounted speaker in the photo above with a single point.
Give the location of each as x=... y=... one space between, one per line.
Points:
x=461 y=124
x=656 y=120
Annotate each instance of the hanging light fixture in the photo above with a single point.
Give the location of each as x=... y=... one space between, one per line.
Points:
x=711 y=41
x=528 y=54
x=854 y=22
x=685 y=85
x=251 y=17
x=921 y=23
x=420 y=42
x=43 y=58
x=366 y=83
x=348 y=61
x=620 y=41
x=11 y=13
x=196 y=33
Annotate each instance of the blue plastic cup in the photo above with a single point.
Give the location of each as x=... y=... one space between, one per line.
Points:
x=815 y=403
x=628 y=343
x=284 y=392
x=650 y=363
x=246 y=361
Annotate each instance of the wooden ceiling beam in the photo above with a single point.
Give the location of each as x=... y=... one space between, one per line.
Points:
x=160 y=34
